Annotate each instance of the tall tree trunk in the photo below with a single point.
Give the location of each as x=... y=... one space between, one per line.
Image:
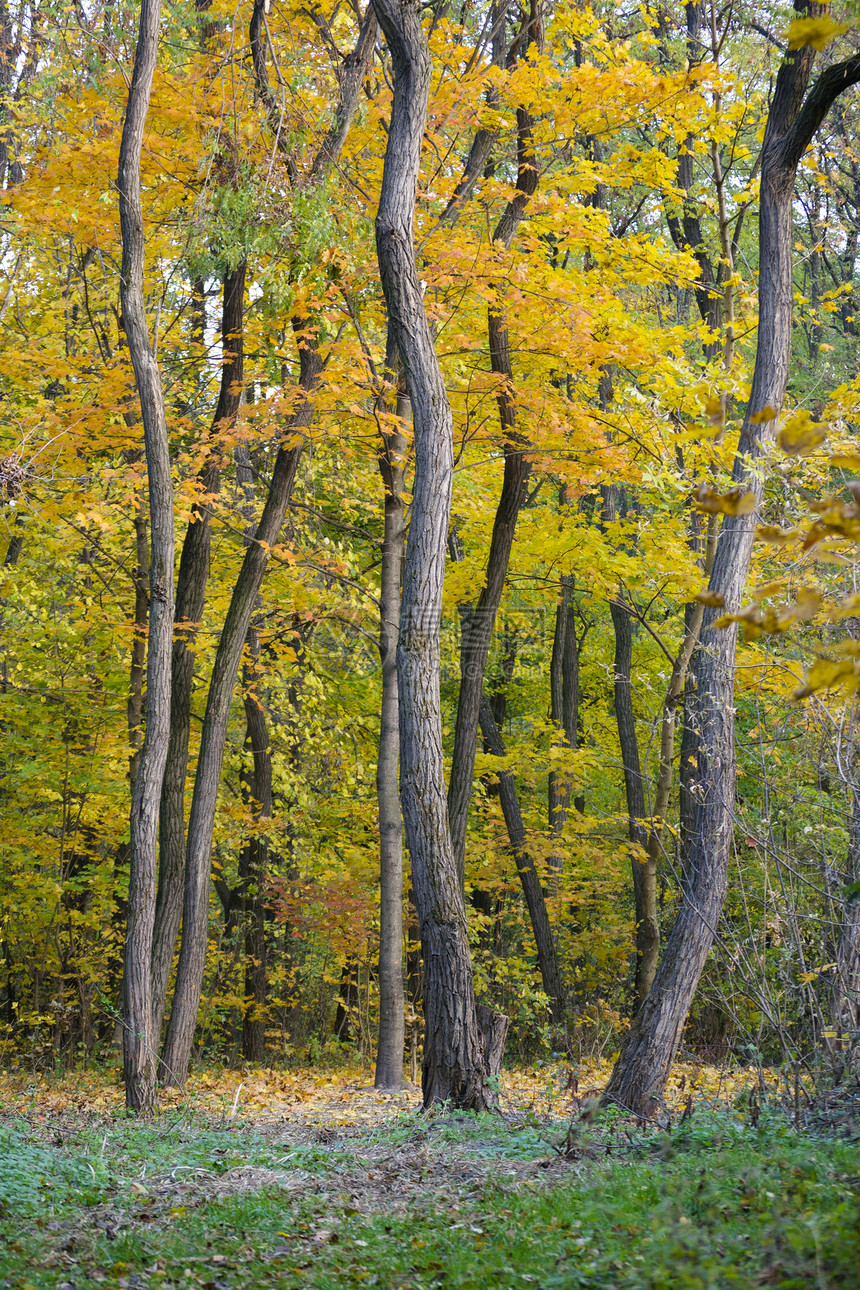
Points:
x=845 y=998
x=139 y=1046
x=477 y=623
x=137 y=671
x=389 y=1055
x=647 y=1054
x=644 y=869
x=454 y=1066
x=254 y=861
x=192 y=954
x=190 y=602
x=564 y=711
x=550 y=969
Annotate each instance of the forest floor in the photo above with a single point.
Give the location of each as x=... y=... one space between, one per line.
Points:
x=313 y=1179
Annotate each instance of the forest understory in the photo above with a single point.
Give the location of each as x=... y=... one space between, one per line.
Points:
x=310 y=1178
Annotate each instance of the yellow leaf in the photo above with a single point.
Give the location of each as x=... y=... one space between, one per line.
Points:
x=736 y=502
x=767 y=413
x=776 y=536
x=817 y=32
x=768 y=589
x=807 y=604
x=846 y=461
x=715 y=410
x=712 y=599
x=800 y=435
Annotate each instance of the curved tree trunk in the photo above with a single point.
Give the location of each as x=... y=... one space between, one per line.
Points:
x=550 y=969
x=646 y=1057
x=192 y=954
x=139 y=1047
x=190 y=602
x=477 y=623
x=453 y=1059
x=392 y=1015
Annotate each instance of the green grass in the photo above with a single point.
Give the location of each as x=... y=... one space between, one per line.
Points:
x=441 y=1201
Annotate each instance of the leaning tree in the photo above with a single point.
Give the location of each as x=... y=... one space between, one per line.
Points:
x=796 y=112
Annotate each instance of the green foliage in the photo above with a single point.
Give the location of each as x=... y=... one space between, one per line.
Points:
x=716 y=1204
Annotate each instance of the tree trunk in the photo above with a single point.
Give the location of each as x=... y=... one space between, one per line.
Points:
x=645 y=869
x=453 y=1061
x=392 y=1014
x=137 y=671
x=190 y=602
x=647 y=1054
x=254 y=861
x=564 y=712
x=845 y=999
x=192 y=954
x=139 y=1047
x=477 y=623
x=550 y=970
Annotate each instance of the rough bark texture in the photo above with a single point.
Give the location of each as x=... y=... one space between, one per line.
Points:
x=643 y=1065
x=645 y=869
x=564 y=711
x=389 y=1054
x=137 y=670
x=477 y=622
x=254 y=860
x=190 y=601
x=192 y=955
x=139 y=1046
x=453 y=1060
x=553 y=982
x=845 y=1001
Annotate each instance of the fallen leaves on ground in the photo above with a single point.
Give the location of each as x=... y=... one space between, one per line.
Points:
x=345 y=1097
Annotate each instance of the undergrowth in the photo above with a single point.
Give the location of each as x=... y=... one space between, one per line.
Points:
x=425 y=1202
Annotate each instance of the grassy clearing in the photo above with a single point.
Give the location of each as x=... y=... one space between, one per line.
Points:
x=92 y=1199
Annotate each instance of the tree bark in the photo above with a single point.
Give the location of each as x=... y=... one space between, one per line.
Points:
x=453 y=1060
x=845 y=998
x=550 y=970
x=392 y=1014
x=645 y=869
x=137 y=670
x=564 y=711
x=190 y=602
x=477 y=623
x=192 y=954
x=647 y=1054
x=139 y=1046
x=254 y=862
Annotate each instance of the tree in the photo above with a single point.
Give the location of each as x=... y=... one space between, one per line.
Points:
x=140 y=1041
x=795 y=114
x=454 y=1068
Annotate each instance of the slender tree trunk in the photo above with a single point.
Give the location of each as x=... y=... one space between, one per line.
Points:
x=647 y=1054
x=845 y=1000
x=140 y=1053
x=564 y=711
x=254 y=862
x=453 y=1059
x=190 y=602
x=477 y=623
x=392 y=1014
x=137 y=671
x=553 y=982
x=192 y=954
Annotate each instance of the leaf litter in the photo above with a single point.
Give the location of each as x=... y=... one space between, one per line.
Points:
x=322 y=1140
